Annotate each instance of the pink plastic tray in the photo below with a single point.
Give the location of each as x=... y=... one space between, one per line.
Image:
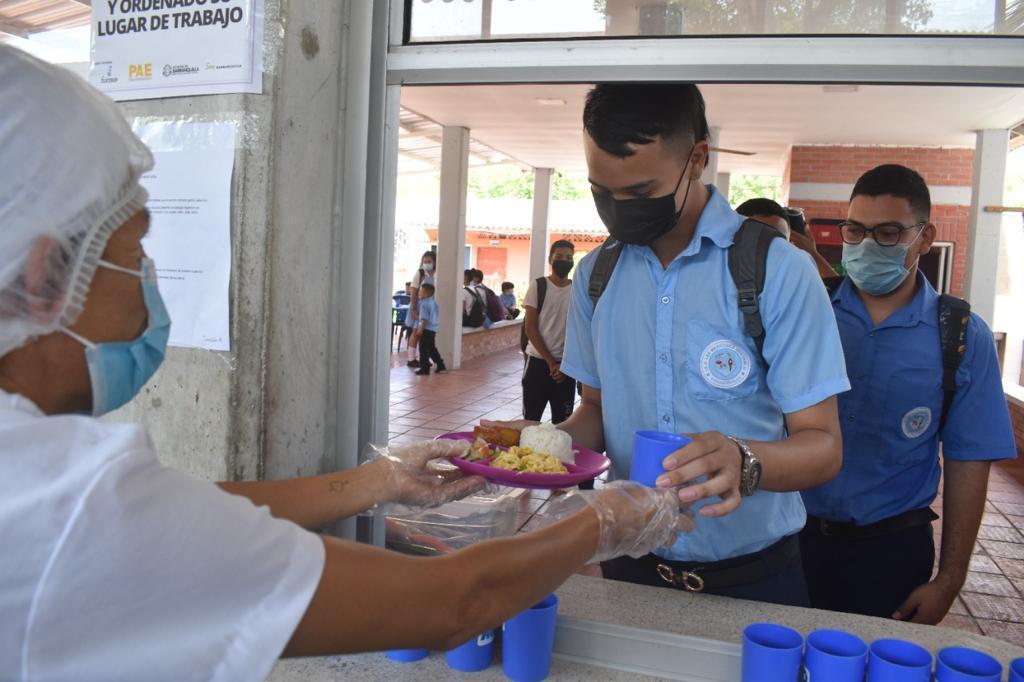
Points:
x=588 y=465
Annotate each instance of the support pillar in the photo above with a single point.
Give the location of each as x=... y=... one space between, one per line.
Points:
x=539 y=237
x=451 y=241
x=984 y=228
x=722 y=183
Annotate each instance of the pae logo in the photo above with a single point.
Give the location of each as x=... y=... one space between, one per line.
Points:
x=140 y=71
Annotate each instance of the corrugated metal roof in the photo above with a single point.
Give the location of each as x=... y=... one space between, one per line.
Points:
x=419 y=145
x=24 y=17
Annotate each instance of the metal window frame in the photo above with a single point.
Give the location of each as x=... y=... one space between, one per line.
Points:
x=922 y=60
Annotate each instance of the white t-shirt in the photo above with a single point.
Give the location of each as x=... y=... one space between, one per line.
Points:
x=118 y=568
x=553 y=317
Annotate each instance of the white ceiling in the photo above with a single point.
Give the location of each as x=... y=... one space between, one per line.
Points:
x=765 y=119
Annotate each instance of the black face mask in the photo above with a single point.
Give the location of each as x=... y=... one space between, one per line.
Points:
x=561 y=267
x=641 y=221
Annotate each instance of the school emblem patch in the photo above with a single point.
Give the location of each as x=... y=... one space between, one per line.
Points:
x=916 y=422
x=724 y=364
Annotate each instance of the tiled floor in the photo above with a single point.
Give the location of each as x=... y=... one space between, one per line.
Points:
x=991 y=603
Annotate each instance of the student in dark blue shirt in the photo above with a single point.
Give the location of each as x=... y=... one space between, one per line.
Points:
x=868 y=547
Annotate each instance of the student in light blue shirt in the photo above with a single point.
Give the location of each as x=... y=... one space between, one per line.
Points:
x=428 y=322
x=508 y=300
x=665 y=349
x=868 y=545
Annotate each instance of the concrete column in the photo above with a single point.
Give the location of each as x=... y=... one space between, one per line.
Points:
x=451 y=241
x=984 y=228
x=539 y=236
x=710 y=174
x=722 y=183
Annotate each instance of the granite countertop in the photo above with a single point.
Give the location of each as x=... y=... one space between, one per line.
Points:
x=587 y=599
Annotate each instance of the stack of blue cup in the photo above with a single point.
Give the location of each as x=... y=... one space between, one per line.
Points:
x=473 y=656
x=959 y=664
x=1017 y=670
x=528 y=640
x=407 y=655
x=893 y=660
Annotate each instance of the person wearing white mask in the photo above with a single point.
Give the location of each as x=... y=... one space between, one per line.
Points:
x=424 y=275
x=924 y=372
x=118 y=568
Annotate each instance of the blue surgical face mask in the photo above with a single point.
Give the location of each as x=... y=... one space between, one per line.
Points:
x=874 y=268
x=119 y=369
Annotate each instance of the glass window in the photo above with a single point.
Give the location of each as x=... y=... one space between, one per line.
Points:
x=475 y=20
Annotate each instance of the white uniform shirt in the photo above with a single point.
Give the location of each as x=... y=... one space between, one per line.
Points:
x=554 y=315
x=117 y=568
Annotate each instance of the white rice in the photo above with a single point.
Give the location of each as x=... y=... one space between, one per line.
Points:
x=548 y=439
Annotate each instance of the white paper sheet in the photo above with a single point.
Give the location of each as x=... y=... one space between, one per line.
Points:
x=190 y=228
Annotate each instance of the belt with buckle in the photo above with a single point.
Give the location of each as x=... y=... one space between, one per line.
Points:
x=741 y=570
x=893 y=524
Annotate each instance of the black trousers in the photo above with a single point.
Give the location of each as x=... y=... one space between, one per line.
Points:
x=870 y=576
x=428 y=349
x=539 y=389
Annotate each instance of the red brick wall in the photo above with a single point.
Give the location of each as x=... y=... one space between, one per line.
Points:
x=950 y=167
x=1017 y=418
x=938 y=166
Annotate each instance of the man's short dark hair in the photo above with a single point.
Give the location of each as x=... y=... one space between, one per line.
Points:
x=428 y=287
x=619 y=114
x=408 y=284
x=561 y=244
x=478 y=275
x=762 y=206
x=467 y=275
x=898 y=181
x=507 y=285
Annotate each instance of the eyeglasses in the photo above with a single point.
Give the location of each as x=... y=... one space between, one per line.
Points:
x=884 y=234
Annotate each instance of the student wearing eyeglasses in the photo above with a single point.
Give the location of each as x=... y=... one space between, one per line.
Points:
x=868 y=545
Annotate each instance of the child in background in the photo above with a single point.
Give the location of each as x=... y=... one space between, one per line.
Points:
x=508 y=300
x=429 y=319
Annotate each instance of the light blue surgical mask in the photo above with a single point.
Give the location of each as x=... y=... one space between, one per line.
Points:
x=119 y=369
x=874 y=268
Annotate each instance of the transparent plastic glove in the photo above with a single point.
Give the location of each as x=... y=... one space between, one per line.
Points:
x=634 y=519
x=415 y=479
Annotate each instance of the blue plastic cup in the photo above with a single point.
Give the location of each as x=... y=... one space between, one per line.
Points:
x=1017 y=670
x=473 y=656
x=771 y=653
x=836 y=656
x=960 y=664
x=407 y=655
x=650 y=448
x=893 y=660
x=527 y=642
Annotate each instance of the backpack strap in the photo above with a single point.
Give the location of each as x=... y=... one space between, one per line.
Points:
x=607 y=257
x=542 y=291
x=954 y=314
x=748 y=257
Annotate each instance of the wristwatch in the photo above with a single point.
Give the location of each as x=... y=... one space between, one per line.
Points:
x=750 y=468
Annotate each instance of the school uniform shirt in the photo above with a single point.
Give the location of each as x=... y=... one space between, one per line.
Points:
x=553 y=317
x=430 y=314
x=890 y=420
x=508 y=300
x=668 y=350
x=117 y=568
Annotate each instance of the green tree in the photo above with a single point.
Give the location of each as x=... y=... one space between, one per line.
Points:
x=516 y=183
x=743 y=187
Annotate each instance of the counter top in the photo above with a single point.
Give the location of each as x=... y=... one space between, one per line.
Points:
x=601 y=619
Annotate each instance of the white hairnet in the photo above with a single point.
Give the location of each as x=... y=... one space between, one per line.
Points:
x=69 y=177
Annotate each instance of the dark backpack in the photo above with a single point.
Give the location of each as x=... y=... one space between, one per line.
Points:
x=495 y=310
x=748 y=258
x=542 y=291
x=475 y=316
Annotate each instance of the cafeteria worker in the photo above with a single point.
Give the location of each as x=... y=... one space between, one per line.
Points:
x=114 y=567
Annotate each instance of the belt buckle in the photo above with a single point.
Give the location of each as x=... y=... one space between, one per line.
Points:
x=689 y=580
